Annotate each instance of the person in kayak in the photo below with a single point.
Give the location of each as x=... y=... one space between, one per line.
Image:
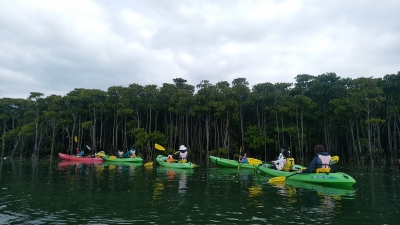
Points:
x=280 y=157
x=79 y=152
x=321 y=160
x=283 y=164
x=130 y=153
x=120 y=153
x=181 y=155
x=243 y=159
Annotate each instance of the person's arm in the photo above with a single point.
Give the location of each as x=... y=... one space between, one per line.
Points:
x=312 y=166
x=279 y=160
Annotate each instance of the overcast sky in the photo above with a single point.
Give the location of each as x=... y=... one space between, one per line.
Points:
x=54 y=46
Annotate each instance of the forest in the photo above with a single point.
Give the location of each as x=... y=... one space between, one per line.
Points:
x=356 y=119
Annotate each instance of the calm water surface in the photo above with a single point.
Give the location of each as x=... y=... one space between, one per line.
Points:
x=60 y=192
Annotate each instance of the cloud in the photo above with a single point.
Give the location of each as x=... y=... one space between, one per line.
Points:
x=54 y=47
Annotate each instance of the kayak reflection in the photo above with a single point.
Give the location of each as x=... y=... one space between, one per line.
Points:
x=65 y=164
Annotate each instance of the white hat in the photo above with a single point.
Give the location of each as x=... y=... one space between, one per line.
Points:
x=182 y=148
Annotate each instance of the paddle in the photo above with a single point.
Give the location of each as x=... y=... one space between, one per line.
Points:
x=254 y=161
x=159 y=147
x=334 y=160
x=281 y=179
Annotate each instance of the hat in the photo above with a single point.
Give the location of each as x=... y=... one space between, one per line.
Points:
x=182 y=148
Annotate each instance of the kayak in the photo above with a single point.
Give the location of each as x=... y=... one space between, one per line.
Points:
x=161 y=160
x=115 y=159
x=231 y=163
x=333 y=179
x=77 y=158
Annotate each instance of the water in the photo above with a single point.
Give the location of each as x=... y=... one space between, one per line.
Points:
x=60 y=192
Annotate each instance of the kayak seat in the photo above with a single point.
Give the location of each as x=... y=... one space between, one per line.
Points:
x=323 y=170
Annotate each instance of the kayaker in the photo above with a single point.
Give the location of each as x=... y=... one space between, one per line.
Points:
x=280 y=157
x=132 y=152
x=79 y=152
x=321 y=160
x=181 y=155
x=243 y=159
x=283 y=163
x=120 y=153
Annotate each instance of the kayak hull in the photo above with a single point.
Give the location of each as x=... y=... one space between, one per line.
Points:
x=334 y=179
x=81 y=159
x=115 y=159
x=231 y=163
x=161 y=161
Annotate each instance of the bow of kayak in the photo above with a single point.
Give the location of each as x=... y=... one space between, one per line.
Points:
x=231 y=163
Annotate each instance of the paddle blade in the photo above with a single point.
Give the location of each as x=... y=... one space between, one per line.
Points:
x=254 y=161
x=76 y=139
x=334 y=159
x=277 y=179
x=88 y=148
x=113 y=157
x=159 y=147
x=101 y=154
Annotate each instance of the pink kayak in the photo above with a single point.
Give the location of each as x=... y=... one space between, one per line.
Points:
x=82 y=159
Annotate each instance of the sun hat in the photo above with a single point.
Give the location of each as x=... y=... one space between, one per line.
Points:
x=182 y=148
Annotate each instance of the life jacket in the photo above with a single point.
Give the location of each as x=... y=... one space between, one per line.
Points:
x=289 y=165
x=323 y=164
x=183 y=155
x=324 y=161
x=170 y=158
x=244 y=159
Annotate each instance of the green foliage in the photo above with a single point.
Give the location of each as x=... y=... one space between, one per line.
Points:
x=325 y=109
x=253 y=138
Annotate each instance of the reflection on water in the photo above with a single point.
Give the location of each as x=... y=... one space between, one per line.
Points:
x=77 y=193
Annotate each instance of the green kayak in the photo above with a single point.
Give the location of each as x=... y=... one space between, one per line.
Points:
x=115 y=159
x=161 y=160
x=231 y=163
x=332 y=179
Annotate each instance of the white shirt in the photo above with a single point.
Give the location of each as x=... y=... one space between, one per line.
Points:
x=280 y=158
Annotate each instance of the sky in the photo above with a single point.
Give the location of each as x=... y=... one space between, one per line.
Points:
x=55 y=46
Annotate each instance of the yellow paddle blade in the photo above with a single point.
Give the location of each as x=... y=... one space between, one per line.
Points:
x=254 y=161
x=159 y=147
x=113 y=157
x=277 y=179
x=76 y=139
x=334 y=159
x=101 y=154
